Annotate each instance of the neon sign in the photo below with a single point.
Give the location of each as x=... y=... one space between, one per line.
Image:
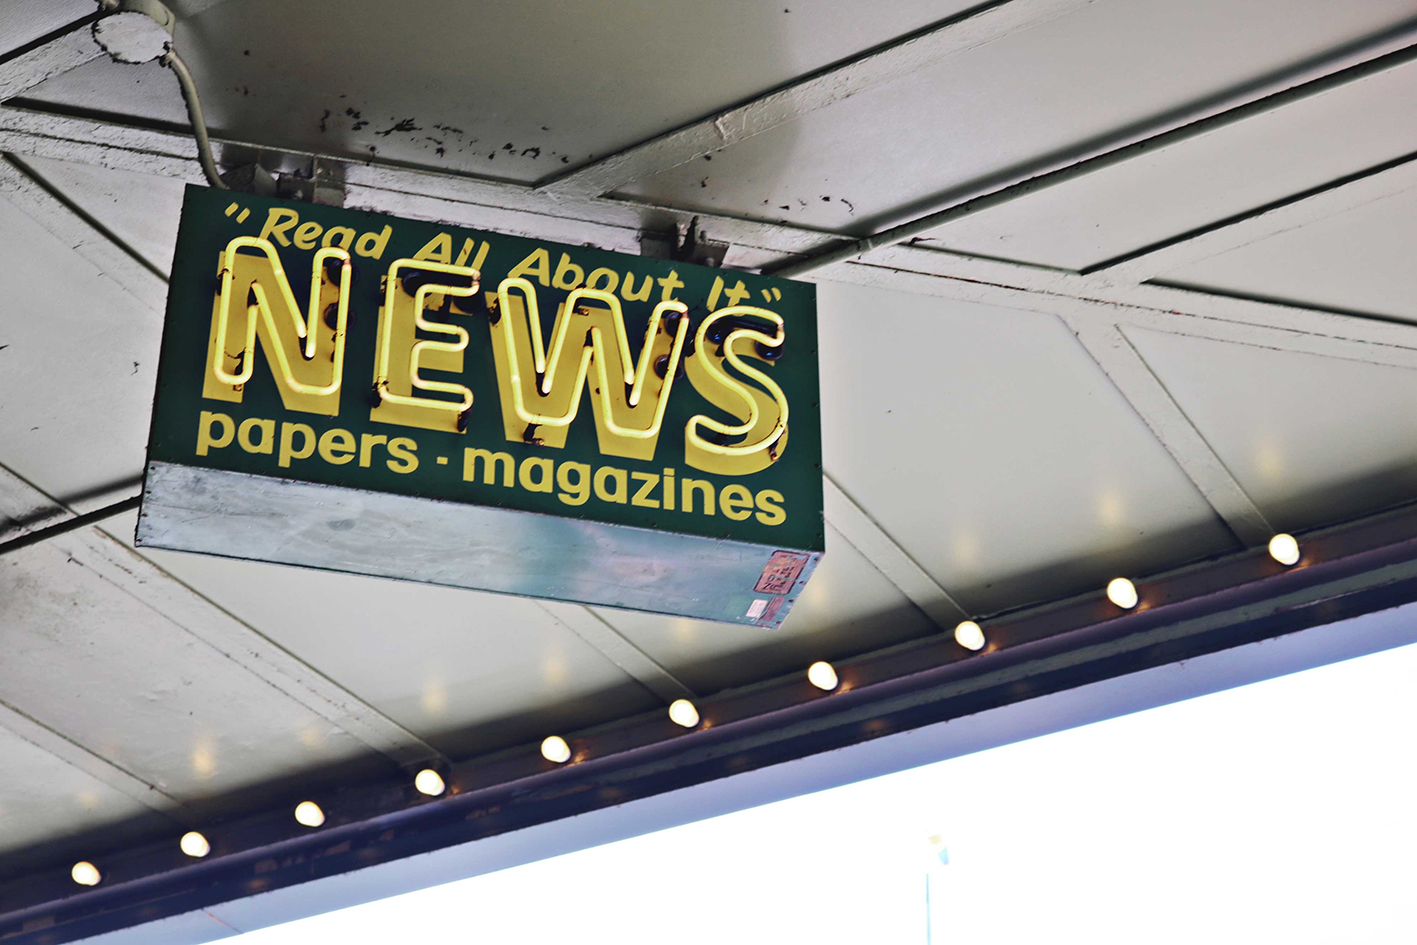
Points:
x=405 y=371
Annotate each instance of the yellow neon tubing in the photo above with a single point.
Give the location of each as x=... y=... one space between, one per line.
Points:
x=729 y=355
x=563 y=326
x=458 y=332
x=681 y=333
x=304 y=330
x=634 y=376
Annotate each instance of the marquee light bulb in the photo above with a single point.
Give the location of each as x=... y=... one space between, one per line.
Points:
x=1284 y=549
x=555 y=749
x=822 y=675
x=429 y=782
x=682 y=712
x=969 y=635
x=194 y=844
x=85 y=873
x=309 y=814
x=1123 y=593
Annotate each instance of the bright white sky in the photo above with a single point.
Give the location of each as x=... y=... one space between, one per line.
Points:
x=1277 y=812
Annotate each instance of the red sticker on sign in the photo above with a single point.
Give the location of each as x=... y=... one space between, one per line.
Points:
x=783 y=570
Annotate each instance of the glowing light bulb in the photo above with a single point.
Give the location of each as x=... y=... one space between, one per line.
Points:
x=85 y=873
x=555 y=749
x=194 y=844
x=682 y=712
x=1122 y=592
x=429 y=782
x=969 y=635
x=1284 y=549
x=309 y=814
x=822 y=675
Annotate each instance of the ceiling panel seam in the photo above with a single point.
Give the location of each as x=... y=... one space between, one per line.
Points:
x=110 y=258
x=1124 y=366
x=72 y=753
x=1185 y=310
x=59 y=52
x=38 y=181
x=1332 y=199
x=902 y=57
x=610 y=643
x=222 y=632
x=1313 y=76
x=864 y=534
x=1271 y=339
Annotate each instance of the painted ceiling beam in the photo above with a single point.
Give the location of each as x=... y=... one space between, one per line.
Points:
x=614 y=646
x=864 y=534
x=1124 y=366
x=113 y=259
x=78 y=756
x=48 y=56
x=1182 y=311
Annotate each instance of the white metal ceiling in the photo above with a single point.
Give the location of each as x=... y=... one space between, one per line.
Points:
x=992 y=437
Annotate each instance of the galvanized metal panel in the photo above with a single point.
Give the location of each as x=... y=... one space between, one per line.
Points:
x=887 y=155
x=1358 y=261
x=525 y=91
x=261 y=518
x=989 y=445
x=1312 y=439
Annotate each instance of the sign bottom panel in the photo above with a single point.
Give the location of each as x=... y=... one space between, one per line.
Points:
x=264 y=518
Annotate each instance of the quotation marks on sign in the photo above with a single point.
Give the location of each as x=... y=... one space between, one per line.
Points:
x=240 y=217
x=772 y=295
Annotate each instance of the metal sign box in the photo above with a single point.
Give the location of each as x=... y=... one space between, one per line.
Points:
x=362 y=393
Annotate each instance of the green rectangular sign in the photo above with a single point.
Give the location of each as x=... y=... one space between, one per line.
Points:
x=354 y=391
